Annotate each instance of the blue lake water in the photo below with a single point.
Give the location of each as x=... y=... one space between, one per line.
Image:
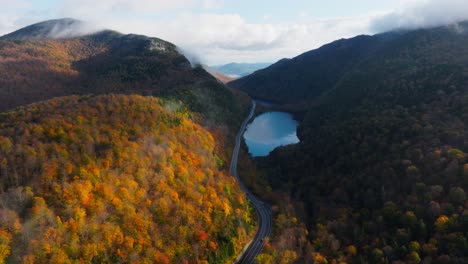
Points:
x=269 y=131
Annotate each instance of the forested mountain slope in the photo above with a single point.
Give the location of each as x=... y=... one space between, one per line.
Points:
x=115 y=178
x=382 y=167
x=34 y=69
x=310 y=74
x=105 y=178
x=360 y=63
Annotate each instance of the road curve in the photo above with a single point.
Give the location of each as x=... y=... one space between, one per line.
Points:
x=263 y=209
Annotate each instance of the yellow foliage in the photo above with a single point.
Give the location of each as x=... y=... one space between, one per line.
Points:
x=351 y=250
x=319 y=259
x=288 y=256
x=441 y=223
x=119 y=180
x=5 y=240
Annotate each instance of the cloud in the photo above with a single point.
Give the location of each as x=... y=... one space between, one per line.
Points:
x=15 y=4
x=11 y=14
x=215 y=37
x=237 y=40
x=93 y=8
x=422 y=14
x=203 y=28
x=228 y=31
x=70 y=28
x=195 y=26
x=220 y=38
x=212 y=4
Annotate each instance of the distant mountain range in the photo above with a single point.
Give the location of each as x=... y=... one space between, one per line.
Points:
x=236 y=70
x=220 y=76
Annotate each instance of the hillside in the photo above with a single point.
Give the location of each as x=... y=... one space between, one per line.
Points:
x=115 y=179
x=382 y=167
x=34 y=69
x=345 y=63
x=310 y=74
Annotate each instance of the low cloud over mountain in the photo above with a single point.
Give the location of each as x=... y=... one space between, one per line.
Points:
x=421 y=14
x=221 y=35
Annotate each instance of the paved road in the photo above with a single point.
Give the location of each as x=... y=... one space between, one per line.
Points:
x=263 y=209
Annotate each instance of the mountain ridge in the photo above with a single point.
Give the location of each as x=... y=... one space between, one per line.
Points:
x=105 y=62
x=308 y=75
x=382 y=167
x=52 y=29
x=118 y=129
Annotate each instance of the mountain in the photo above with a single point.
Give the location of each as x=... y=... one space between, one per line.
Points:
x=34 y=69
x=91 y=170
x=310 y=74
x=51 y=29
x=382 y=167
x=115 y=178
x=237 y=70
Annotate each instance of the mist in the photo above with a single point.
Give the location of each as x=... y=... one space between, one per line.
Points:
x=192 y=57
x=223 y=37
x=56 y=29
x=422 y=14
x=69 y=28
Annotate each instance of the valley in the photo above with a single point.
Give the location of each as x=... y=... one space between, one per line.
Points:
x=124 y=148
x=383 y=145
x=263 y=210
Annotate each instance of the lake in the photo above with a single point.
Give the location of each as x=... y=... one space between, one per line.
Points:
x=269 y=131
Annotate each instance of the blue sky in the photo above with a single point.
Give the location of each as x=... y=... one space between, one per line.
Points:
x=221 y=31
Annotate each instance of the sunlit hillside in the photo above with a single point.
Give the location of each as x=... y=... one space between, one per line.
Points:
x=115 y=179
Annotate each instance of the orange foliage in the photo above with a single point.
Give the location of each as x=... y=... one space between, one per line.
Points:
x=113 y=178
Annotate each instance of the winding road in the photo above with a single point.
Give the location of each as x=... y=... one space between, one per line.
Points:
x=263 y=210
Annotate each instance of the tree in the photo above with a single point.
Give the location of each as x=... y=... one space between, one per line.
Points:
x=457 y=195
x=5 y=240
x=441 y=223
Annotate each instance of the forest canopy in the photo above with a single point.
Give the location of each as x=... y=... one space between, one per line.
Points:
x=115 y=179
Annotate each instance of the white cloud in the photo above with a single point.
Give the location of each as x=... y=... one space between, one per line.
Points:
x=216 y=38
x=422 y=13
x=15 y=4
x=93 y=8
x=212 y=4
x=228 y=37
x=236 y=40
x=199 y=26
x=11 y=15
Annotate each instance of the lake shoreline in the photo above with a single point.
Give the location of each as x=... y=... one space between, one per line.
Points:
x=270 y=130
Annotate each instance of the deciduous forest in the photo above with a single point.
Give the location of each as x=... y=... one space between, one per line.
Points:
x=115 y=179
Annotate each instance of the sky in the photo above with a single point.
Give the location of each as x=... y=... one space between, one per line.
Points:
x=223 y=31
